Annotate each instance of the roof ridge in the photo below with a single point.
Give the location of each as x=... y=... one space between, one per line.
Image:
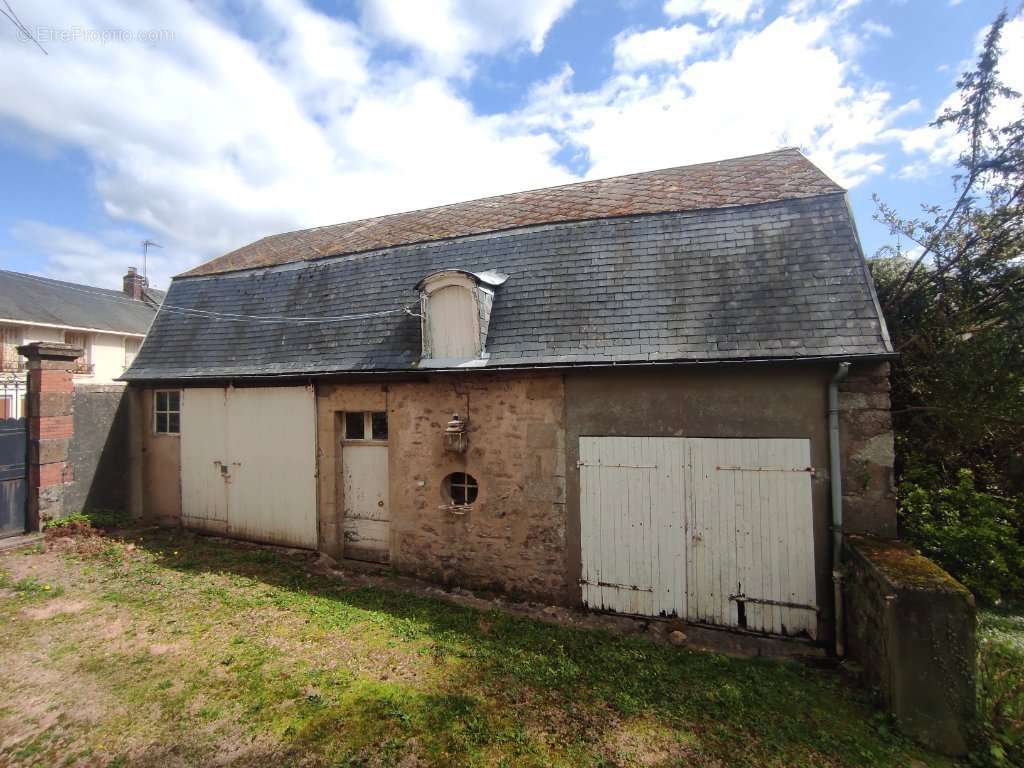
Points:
x=578 y=182
x=780 y=174
x=30 y=276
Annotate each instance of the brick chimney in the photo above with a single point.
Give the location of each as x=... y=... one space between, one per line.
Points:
x=134 y=283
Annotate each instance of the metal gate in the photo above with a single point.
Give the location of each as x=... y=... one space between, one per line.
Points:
x=13 y=485
x=717 y=531
x=248 y=463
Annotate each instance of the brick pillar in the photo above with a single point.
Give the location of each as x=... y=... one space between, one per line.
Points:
x=50 y=427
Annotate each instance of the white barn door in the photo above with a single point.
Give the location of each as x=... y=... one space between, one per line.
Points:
x=717 y=531
x=204 y=434
x=248 y=463
x=632 y=522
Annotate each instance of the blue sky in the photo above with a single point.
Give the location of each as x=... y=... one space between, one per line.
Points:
x=205 y=126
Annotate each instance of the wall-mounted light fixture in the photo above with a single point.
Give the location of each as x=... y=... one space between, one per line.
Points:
x=455 y=438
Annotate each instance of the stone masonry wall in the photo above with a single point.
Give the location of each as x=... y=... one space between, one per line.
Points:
x=513 y=538
x=869 y=497
x=98 y=452
x=912 y=628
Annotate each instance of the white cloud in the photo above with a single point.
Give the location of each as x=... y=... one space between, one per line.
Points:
x=447 y=32
x=783 y=85
x=80 y=258
x=717 y=11
x=934 y=148
x=210 y=140
x=213 y=138
x=671 y=45
x=876 y=28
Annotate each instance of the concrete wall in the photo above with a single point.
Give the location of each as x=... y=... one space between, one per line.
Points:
x=106 y=353
x=513 y=538
x=912 y=628
x=98 y=453
x=755 y=401
x=159 y=471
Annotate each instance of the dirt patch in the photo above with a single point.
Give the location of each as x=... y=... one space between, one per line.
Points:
x=56 y=607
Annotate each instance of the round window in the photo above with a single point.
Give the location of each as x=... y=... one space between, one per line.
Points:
x=460 y=488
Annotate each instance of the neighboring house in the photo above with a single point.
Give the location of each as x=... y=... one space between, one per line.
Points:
x=107 y=325
x=613 y=393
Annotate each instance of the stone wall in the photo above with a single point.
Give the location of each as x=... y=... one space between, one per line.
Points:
x=98 y=452
x=513 y=537
x=912 y=628
x=869 y=498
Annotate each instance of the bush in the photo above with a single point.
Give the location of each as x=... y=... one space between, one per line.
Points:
x=973 y=534
x=1001 y=687
x=95 y=518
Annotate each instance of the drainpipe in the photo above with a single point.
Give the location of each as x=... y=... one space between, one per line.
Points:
x=836 y=483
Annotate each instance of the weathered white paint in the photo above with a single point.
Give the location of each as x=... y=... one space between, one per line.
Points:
x=204 y=458
x=693 y=527
x=454 y=323
x=367 y=522
x=248 y=463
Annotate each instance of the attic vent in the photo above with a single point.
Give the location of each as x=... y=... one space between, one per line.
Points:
x=456 y=310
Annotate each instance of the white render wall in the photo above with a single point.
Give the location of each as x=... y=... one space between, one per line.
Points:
x=106 y=353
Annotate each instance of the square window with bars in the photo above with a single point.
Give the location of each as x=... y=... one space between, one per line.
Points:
x=365 y=425
x=167 y=412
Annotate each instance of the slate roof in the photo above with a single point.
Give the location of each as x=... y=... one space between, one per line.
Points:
x=782 y=175
x=777 y=280
x=31 y=299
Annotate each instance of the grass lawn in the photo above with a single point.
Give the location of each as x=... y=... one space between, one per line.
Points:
x=169 y=650
x=1001 y=683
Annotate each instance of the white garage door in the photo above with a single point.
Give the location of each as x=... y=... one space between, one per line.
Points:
x=717 y=531
x=248 y=463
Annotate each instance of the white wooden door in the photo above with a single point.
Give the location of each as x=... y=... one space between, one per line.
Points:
x=631 y=523
x=717 y=531
x=272 y=449
x=367 y=522
x=204 y=466
x=248 y=463
x=751 y=553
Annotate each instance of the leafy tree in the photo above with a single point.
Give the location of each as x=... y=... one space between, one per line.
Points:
x=956 y=310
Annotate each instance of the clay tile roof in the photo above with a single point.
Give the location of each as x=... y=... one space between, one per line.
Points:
x=781 y=175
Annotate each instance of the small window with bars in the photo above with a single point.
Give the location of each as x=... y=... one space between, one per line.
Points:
x=365 y=425
x=461 y=489
x=167 y=412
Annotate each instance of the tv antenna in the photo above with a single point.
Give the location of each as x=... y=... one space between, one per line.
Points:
x=146 y=244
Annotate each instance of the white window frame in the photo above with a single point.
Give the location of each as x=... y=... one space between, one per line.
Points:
x=465 y=485
x=440 y=281
x=157 y=411
x=367 y=438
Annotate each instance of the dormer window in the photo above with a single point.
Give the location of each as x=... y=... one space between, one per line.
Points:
x=456 y=311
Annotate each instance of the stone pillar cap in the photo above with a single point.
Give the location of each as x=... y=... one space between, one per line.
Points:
x=50 y=350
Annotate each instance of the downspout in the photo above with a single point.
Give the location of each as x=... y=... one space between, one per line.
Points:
x=836 y=483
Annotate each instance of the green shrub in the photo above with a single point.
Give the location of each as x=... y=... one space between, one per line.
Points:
x=1001 y=687
x=97 y=518
x=973 y=534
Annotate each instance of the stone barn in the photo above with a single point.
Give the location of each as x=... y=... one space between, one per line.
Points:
x=662 y=394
